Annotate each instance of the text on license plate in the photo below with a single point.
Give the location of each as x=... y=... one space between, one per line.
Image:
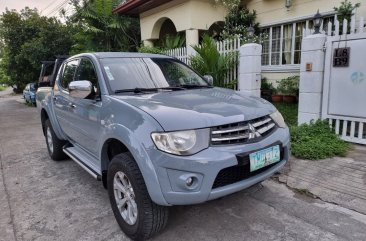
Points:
x=264 y=157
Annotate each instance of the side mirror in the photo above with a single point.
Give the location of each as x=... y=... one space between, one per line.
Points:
x=80 y=88
x=209 y=79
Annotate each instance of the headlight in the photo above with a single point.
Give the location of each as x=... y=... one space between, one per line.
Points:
x=182 y=142
x=277 y=117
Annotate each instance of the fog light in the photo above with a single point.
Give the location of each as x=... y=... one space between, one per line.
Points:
x=189 y=181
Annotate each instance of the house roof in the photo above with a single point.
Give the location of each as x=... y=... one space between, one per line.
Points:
x=135 y=7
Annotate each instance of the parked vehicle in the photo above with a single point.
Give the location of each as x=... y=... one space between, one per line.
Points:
x=29 y=93
x=158 y=134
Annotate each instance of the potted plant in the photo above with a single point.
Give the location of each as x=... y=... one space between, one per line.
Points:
x=289 y=88
x=276 y=96
x=267 y=89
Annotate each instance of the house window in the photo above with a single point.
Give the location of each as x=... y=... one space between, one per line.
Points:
x=282 y=45
x=298 y=38
x=276 y=48
x=265 y=47
x=287 y=44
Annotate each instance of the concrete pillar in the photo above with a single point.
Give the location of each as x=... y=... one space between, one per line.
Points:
x=250 y=67
x=311 y=78
x=192 y=37
x=148 y=43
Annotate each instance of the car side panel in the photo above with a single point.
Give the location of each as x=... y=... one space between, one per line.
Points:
x=44 y=99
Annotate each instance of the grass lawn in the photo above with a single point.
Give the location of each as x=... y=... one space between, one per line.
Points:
x=289 y=112
x=2 y=88
x=312 y=141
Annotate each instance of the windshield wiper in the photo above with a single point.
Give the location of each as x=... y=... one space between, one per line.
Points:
x=193 y=86
x=140 y=90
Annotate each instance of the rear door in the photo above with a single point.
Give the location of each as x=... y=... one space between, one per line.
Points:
x=61 y=99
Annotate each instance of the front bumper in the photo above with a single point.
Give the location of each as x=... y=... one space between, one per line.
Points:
x=204 y=167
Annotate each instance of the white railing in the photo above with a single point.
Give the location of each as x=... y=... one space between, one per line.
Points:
x=333 y=29
x=349 y=129
x=224 y=47
x=179 y=53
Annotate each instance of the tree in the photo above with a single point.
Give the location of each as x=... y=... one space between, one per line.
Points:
x=237 y=22
x=346 y=11
x=27 y=39
x=101 y=30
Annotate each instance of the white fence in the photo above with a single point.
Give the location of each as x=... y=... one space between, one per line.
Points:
x=333 y=29
x=224 y=47
x=179 y=53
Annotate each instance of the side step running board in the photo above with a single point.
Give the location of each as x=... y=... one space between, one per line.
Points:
x=82 y=164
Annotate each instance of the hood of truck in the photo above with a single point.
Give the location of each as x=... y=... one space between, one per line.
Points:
x=198 y=108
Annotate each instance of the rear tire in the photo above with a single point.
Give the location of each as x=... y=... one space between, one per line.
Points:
x=148 y=218
x=54 y=145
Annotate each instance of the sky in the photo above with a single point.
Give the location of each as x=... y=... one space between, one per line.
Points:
x=46 y=7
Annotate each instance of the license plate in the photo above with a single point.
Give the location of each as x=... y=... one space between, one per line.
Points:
x=264 y=157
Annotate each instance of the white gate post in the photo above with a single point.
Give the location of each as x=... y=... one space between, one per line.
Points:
x=250 y=67
x=311 y=78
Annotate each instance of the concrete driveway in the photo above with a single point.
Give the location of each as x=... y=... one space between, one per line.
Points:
x=45 y=200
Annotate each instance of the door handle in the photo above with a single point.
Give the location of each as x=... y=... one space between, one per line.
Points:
x=72 y=105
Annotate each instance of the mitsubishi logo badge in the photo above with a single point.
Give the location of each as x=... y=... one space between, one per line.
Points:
x=253 y=132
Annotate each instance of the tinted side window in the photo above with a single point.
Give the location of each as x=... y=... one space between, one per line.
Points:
x=69 y=73
x=86 y=71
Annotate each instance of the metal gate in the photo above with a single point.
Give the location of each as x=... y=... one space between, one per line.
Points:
x=344 y=90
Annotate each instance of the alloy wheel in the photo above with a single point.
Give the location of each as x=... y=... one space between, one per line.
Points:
x=125 y=198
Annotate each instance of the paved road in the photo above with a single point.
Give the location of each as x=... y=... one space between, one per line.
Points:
x=45 y=200
x=6 y=92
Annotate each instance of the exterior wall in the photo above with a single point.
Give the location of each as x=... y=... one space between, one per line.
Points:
x=270 y=12
x=185 y=15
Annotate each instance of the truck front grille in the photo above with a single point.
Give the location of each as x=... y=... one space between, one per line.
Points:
x=242 y=132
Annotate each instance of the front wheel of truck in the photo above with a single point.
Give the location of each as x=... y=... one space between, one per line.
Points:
x=137 y=215
x=54 y=145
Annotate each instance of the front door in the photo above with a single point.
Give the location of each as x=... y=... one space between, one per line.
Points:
x=86 y=112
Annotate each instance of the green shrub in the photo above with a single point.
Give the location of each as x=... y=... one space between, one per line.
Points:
x=173 y=41
x=316 y=141
x=151 y=50
x=289 y=86
x=266 y=85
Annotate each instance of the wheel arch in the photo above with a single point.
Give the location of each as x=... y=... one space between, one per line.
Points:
x=113 y=146
x=44 y=117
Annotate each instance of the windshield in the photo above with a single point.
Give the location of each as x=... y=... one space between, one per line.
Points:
x=131 y=73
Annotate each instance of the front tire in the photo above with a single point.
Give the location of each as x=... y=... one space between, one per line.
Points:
x=137 y=215
x=54 y=145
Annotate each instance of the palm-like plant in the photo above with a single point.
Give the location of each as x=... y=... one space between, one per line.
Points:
x=209 y=61
x=172 y=42
x=107 y=31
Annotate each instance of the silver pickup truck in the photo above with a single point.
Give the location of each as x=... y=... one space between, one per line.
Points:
x=158 y=134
